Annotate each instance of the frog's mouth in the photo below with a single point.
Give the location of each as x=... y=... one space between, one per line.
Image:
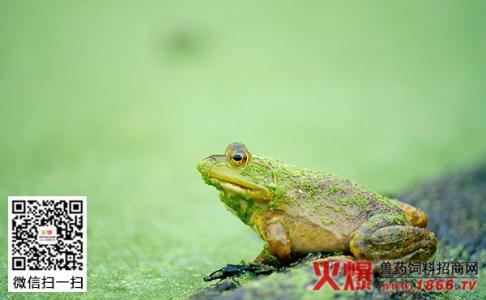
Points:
x=239 y=186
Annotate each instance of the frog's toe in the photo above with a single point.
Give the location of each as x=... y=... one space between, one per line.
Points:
x=414 y=216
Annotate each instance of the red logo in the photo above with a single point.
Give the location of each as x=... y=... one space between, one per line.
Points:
x=358 y=275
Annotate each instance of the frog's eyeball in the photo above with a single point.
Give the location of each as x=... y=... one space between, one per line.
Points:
x=237 y=155
x=238 y=159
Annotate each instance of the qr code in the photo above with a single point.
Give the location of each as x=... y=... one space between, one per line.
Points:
x=47 y=239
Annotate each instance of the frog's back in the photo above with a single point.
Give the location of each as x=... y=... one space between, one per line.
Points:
x=337 y=204
x=323 y=211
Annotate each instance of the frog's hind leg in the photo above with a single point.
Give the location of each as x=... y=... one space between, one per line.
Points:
x=384 y=237
x=414 y=216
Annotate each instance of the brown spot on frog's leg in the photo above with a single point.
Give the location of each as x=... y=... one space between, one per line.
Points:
x=383 y=240
x=277 y=247
x=414 y=216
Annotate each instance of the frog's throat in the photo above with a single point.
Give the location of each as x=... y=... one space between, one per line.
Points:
x=240 y=186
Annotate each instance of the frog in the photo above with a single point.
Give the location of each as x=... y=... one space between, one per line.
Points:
x=298 y=211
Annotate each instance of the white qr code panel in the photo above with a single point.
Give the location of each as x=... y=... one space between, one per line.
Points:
x=47 y=244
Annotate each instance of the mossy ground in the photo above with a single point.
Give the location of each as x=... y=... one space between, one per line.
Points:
x=119 y=100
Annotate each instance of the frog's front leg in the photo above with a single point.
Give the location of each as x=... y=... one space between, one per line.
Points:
x=277 y=243
x=387 y=237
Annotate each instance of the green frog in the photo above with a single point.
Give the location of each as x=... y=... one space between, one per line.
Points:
x=299 y=211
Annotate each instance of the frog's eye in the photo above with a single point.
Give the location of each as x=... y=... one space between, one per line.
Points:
x=237 y=155
x=238 y=159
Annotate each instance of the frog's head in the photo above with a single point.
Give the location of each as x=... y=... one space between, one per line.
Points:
x=243 y=180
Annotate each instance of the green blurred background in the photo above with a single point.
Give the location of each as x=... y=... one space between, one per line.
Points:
x=120 y=100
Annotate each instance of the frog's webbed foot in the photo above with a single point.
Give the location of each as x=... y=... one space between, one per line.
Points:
x=234 y=271
x=379 y=239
